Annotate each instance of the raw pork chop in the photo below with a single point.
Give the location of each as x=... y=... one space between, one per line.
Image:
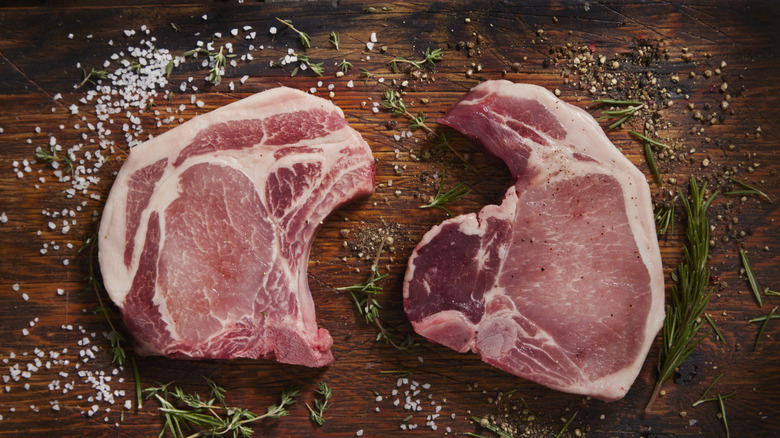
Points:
x=205 y=236
x=561 y=284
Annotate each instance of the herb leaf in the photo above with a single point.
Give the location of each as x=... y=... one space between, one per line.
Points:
x=750 y=190
x=450 y=195
x=317 y=414
x=751 y=278
x=429 y=57
x=304 y=37
x=622 y=115
x=334 y=39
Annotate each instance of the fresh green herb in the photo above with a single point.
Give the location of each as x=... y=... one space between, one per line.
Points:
x=723 y=415
x=566 y=426
x=45 y=156
x=92 y=76
x=345 y=65
x=751 y=278
x=407 y=418
x=771 y=292
x=450 y=195
x=691 y=295
x=68 y=162
x=139 y=400
x=622 y=115
x=116 y=338
x=704 y=394
x=766 y=320
x=304 y=37
x=749 y=190
x=491 y=427
x=650 y=158
x=387 y=8
x=317 y=68
x=429 y=57
x=176 y=27
x=364 y=73
x=317 y=414
x=334 y=39
x=364 y=295
x=648 y=139
x=664 y=218
x=393 y=102
x=169 y=68
x=186 y=411
x=715 y=328
x=218 y=61
x=135 y=67
x=528 y=408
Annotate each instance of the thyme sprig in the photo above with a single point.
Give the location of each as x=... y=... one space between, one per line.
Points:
x=364 y=295
x=345 y=65
x=392 y=101
x=450 y=195
x=334 y=39
x=217 y=59
x=691 y=295
x=751 y=278
x=46 y=156
x=116 y=338
x=765 y=320
x=214 y=417
x=92 y=77
x=304 y=37
x=429 y=57
x=622 y=114
x=317 y=414
x=364 y=73
x=316 y=68
x=747 y=190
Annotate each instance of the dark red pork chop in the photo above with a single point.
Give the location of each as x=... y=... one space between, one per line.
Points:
x=206 y=233
x=561 y=284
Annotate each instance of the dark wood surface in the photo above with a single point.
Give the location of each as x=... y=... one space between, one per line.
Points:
x=38 y=61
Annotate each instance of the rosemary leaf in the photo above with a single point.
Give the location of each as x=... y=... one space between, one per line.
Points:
x=452 y=194
x=751 y=278
x=750 y=190
x=664 y=219
x=648 y=139
x=723 y=415
x=704 y=394
x=566 y=426
x=139 y=400
x=651 y=163
x=763 y=326
x=623 y=114
x=715 y=328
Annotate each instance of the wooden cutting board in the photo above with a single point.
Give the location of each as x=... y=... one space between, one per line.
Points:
x=43 y=48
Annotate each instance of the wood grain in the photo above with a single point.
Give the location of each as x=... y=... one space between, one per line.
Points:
x=38 y=60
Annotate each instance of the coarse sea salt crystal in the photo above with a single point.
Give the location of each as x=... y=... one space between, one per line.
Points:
x=370 y=45
x=272 y=30
x=3 y=218
x=373 y=37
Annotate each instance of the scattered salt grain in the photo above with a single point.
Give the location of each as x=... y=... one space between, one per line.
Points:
x=25 y=297
x=234 y=32
x=370 y=45
x=373 y=37
x=350 y=84
x=244 y=78
x=3 y=218
x=359 y=433
x=70 y=36
x=272 y=30
x=15 y=287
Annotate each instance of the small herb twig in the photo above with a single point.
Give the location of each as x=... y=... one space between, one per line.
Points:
x=723 y=415
x=46 y=156
x=623 y=114
x=184 y=411
x=92 y=76
x=566 y=426
x=749 y=190
x=393 y=102
x=317 y=414
x=691 y=295
x=751 y=278
x=429 y=57
x=664 y=219
x=766 y=320
x=648 y=139
x=334 y=39
x=706 y=390
x=714 y=328
x=484 y=422
x=317 y=68
x=450 y=195
x=364 y=73
x=304 y=37
x=116 y=338
x=345 y=65
x=650 y=158
x=218 y=61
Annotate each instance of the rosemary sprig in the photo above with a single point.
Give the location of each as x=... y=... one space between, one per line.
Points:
x=116 y=338
x=450 y=195
x=429 y=57
x=650 y=158
x=334 y=39
x=566 y=426
x=364 y=73
x=766 y=320
x=304 y=37
x=622 y=115
x=92 y=76
x=648 y=139
x=749 y=190
x=213 y=416
x=317 y=414
x=392 y=101
x=664 y=219
x=491 y=427
x=691 y=295
x=363 y=294
x=751 y=278
x=714 y=328
x=345 y=65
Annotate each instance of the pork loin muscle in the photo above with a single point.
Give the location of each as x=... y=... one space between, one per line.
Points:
x=562 y=283
x=206 y=233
